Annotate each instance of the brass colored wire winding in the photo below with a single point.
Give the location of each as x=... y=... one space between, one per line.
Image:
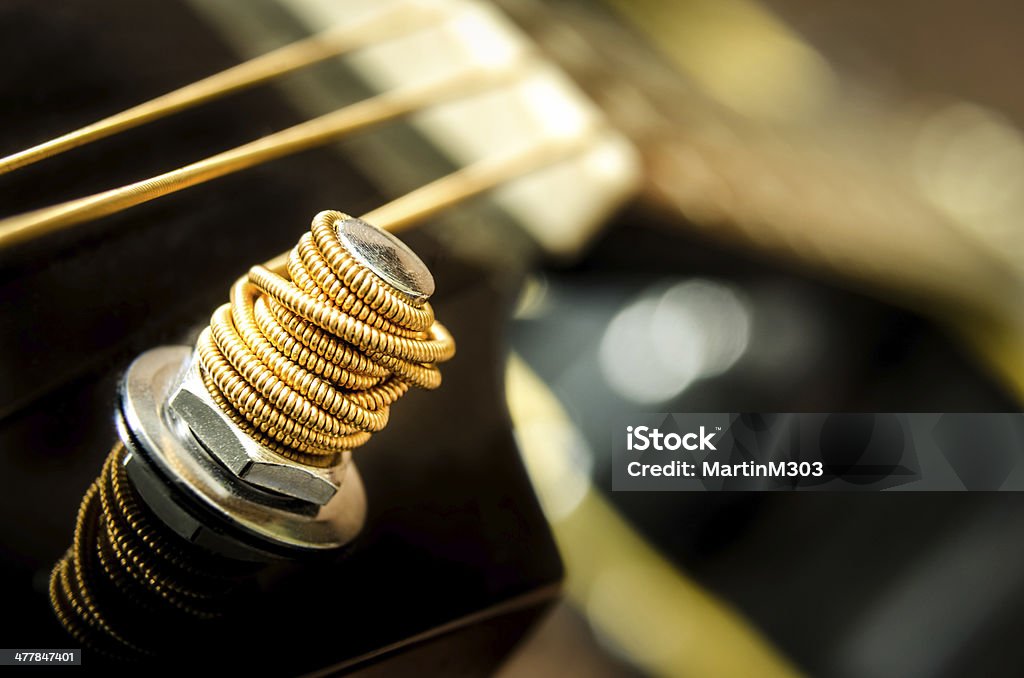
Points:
x=123 y=563
x=309 y=362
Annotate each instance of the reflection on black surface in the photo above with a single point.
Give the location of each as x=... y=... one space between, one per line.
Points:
x=813 y=571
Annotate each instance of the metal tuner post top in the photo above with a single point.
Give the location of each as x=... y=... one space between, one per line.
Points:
x=387 y=256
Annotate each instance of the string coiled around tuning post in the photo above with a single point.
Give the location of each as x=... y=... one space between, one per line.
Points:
x=309 y=363
x=307 y=360
x=123 y=563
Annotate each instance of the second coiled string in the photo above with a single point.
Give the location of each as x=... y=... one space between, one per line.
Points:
x=309 y=364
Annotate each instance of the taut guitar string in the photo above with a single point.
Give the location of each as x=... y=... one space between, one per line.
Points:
x=394 y=22
x=310 y=134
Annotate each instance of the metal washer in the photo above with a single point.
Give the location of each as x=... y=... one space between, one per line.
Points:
x=148 y=429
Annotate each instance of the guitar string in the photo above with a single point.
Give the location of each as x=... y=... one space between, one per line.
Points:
x=308 y=364
x=392 y=23
x=303 y=136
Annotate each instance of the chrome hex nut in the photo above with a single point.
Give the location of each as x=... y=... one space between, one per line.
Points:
x=238 y=452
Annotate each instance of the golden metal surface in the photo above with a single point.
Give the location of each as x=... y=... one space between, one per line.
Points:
x=395 y=21
x=119 y=546
x=309 y=361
